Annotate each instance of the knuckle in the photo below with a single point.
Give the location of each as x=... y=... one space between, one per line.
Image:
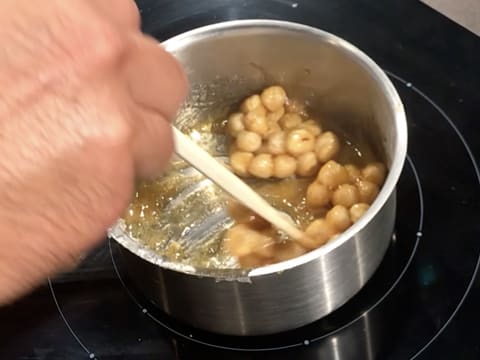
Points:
x=118 y=133
x=106 y=46
x=87 y=39
x=112 y=132
x=131 y=11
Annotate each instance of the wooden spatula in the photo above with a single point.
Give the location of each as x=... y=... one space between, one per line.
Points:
x=228 y=181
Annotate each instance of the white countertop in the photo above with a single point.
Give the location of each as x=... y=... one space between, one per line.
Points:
x=464 y=12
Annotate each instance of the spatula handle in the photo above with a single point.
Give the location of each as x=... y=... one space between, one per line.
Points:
x=228 y=181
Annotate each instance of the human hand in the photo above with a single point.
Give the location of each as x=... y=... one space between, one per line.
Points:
x=85 y=101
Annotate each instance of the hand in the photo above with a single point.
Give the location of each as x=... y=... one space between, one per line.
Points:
x=85 y=101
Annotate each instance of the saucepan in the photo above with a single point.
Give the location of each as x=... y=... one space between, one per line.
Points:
x=224 y=63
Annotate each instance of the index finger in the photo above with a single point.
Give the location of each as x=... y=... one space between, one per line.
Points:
x=156 y=80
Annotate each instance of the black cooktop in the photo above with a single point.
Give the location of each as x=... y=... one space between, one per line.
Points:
x=421 y=303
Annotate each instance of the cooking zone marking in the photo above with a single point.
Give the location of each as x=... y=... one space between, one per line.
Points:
x=477 y=173
x=57 y=305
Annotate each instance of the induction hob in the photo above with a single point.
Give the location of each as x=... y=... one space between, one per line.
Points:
x=422 y=301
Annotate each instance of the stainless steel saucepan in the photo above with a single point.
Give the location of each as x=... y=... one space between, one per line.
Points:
x=224 y=63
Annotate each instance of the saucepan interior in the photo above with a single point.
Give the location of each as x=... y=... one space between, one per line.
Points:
x=228 y=61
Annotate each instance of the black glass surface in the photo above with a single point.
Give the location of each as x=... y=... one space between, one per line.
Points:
x=422 y=301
